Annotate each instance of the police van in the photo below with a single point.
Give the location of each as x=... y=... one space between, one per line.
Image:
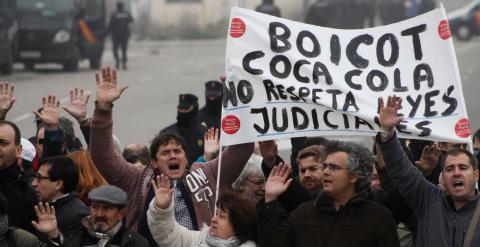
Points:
x=61 y=31
x=8 y=35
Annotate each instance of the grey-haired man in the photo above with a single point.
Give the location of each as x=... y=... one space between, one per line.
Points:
x=340 y=216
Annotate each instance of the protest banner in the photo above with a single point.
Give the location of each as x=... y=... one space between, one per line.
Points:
x=288 y=79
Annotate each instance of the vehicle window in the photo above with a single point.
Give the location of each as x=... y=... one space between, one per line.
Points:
x=3 y=6
x=45 y=6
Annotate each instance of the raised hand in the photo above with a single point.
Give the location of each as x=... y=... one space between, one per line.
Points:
x=277 y=182
x=107 y=89
x=163 y=192
x=269 y=151
x=50 y=115
x=388 y=113
x=223 y=78
x=7 y=98
x=211 y=144
x=78 y=104
x=429 y=159
x=47 y=222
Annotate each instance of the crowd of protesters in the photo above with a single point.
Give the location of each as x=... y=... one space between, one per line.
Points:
x=55 y=191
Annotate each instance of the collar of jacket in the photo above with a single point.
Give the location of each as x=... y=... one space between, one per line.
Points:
x=325 y=203
x=10 y=173
x=470 y=205
x=64 y=199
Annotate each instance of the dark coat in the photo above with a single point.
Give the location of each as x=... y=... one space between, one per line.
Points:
x=209 y=117
x=316 y=223
x=268 y=9
x=119 y=25
x=127 y=238
x=70 y=211
x=20 y=197
x=439 y=223
x=20 y=238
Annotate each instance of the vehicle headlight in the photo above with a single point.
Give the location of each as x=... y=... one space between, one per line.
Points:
x=61 y=36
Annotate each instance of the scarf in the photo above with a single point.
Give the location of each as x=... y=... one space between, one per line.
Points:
x=216 y=242
x=11 y=173
x=3 y=225
x=104 y=237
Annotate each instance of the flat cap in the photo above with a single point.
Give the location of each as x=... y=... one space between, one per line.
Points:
x=108 y=194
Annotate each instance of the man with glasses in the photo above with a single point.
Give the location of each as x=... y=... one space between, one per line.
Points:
x=251 y=181
x=55 y=183
x=340 y=216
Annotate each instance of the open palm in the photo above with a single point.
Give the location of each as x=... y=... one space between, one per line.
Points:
x=211 y=143
x=107 y=89
x=389 y=112
x=78 y=104
x=50 y=115
x=47 y=222
x=7 y=96
x=277 y=182
x=163 y=192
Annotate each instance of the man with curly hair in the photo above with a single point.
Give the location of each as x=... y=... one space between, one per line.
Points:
x=340 y=210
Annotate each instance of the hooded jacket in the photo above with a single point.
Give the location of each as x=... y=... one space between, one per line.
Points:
x=439 y=224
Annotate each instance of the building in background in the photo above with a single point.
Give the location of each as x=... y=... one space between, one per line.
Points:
x=195 y=18
x=170 y=19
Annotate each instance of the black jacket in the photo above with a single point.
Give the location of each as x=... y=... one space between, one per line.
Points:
x=316 y=223
x=119 y=25
x=209 y=117
x=70 y=211
x=20 y=197
x=124 y=238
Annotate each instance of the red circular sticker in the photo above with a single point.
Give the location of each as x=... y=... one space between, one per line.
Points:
x=237 y=28
x=230 y=124
x=444 y=30
x=462 y=128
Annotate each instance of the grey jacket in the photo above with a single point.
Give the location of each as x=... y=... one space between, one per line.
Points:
x=439 y=224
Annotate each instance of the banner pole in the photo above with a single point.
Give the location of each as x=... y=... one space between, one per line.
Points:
x=219 y=169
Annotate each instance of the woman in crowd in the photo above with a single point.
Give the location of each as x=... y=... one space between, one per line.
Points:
x=89 y=177
x=233 y=225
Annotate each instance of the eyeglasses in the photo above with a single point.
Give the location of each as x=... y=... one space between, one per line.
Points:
x=40 y=177
x=332 y=167
x=258 y=183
